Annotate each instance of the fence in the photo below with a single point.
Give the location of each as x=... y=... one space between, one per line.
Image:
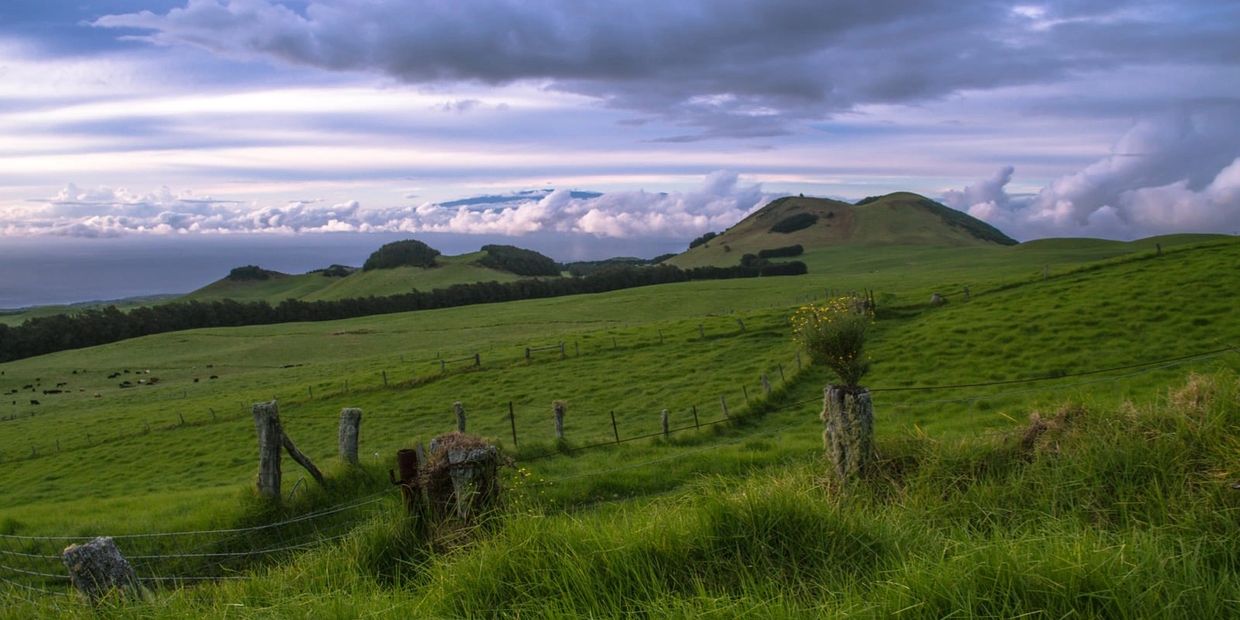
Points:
x=169 y=559
x=442 y=367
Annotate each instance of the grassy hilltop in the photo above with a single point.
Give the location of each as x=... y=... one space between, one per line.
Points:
x=1119 y=506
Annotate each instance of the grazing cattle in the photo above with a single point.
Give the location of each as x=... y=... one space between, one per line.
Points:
x=214 y=377
x=195 y=379
x=46 y=392
x=34 y=402
x=27 y=387
x=98 y=395
x=61 y=384
x=153 y=380
x=125 y=384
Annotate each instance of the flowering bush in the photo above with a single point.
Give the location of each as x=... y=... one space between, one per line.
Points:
x=833 y=333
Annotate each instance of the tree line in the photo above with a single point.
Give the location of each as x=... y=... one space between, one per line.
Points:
x=41 y=335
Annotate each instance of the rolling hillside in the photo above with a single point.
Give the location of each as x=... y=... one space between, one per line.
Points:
x=895 y=219
x=735 y=519
x=315 y=286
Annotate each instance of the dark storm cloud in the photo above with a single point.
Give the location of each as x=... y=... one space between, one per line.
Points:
x=737 y=68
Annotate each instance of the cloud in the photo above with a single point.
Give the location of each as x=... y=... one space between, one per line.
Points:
x=1174 y=172
x=720 y=202
x=740 y=68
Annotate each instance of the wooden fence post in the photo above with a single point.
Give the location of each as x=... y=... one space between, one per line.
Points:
x=745 y=390
x=562 y=355
x=696 y=424
x=527 y=354
x=350 y=430
x=723 y=404
x=766 y=385
x=848 y=433
x=701 y=332
x=384 y=378
x=664 y=418
x=477 y=359
x=267 y=424
x=741 y=322
x=781 y=374
x=512 y=419
x=460 y=415
x=558 y=408
x=614 y=430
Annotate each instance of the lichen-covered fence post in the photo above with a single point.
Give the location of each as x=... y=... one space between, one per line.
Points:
x=97 y=568
x=766 y=385
x=459 y=409
x=848 y=435
x=350 y=429
x=460 y=476
x=270 y=436
x=558 y=408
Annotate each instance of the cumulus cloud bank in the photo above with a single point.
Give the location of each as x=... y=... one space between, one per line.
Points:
x=723 y=67
x=1176 y=172
x=720 y=202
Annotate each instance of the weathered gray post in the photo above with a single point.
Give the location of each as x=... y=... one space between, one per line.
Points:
x=270 y=436
x=665 y=420
x=562 y=355
x=527 y=354
x=460 y=415
x=766 y=385
x=723 y=403
x=966 y=293
x=350 y=429
x=781 y=374
x=848 y=430
x=97 y=568
x=701 y=332
x=558 y=407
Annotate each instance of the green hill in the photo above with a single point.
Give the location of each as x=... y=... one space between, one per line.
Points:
x=895 y=219
x=315 y=286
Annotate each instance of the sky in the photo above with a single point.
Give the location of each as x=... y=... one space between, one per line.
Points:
x=137 y=119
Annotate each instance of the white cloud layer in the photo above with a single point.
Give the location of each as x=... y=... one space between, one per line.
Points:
x=1177 y=172
x=102 y=212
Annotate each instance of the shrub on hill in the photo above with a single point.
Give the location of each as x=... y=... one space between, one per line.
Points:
x=334 y=271
x=662 y=257
x=248 y=272
x=518 y=260
x=793 y=223
x=788 y=250
x=703 y=239
x=406 y=253
x=793 y=268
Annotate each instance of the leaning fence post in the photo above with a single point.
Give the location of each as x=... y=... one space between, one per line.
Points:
x=741 y=322
x=696 y=424
x=527 y=354
x=350 y=429
x=766 y=385
x=267 y=424
x=664 y=418
x=614 y=431
x=723 y=404
x=477 y=359
x=781 y=374
x=562 y=356
x=97 y=567
x=460 y=415
x=384 y=377
x=746 y=392
x=443 y=366
x=558 y=408
x=512 y=419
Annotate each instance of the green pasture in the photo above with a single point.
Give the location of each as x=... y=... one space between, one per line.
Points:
x=735 y=518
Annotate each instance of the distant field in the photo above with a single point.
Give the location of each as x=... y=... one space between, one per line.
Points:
x=1046 y=309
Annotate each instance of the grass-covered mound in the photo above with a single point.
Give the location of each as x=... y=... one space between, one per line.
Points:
x=405 y=253
x=518 y=260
